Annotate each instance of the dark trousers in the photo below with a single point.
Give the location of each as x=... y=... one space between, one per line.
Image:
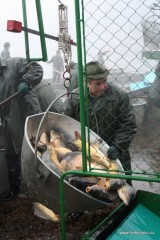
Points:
x=56 y=77
x=125 y=160
x=14 y=169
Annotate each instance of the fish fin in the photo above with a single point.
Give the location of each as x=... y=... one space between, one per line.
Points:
x=45 y=213
x=43 y=139
x=126 y=193
x=88 y=189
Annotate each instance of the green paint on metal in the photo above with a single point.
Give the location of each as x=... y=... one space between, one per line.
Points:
x=150 y=200
x=140 y=224
x=41 y=32
x=25 y=33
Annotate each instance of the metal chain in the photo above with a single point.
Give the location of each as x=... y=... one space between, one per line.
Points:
x=65 y=43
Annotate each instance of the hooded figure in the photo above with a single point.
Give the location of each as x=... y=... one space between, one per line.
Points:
x=5 y=54
x=110 y=113
x=58 y=66
x=18 y=75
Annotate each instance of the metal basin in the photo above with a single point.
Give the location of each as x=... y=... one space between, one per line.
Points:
x=45 y=187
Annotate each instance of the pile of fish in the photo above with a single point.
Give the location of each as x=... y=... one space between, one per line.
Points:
x=67 y=155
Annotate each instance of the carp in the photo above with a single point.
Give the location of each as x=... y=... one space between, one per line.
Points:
x=96 y=155
x=57 y=138
x=73 y=161
x=126 y=193
x=44 y=140
x=62 y=152
x=114 y=183
x=43 y=212
x=83 y=182
x=102 y=193
x=42 y=143
x=53 y=156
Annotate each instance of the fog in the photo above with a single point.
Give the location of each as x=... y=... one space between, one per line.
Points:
x=113 y=25
x=12 y=10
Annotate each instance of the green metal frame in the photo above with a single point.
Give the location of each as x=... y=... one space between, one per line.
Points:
x=41 y=31
x=84 y=172
x=83 y=118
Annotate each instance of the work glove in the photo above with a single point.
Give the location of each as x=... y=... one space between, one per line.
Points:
x=113 y=152
x=23 y=88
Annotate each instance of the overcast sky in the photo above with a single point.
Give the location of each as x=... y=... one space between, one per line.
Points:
x=12 y=10
x=132 y=10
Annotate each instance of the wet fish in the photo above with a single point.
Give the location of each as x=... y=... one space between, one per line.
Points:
x=44 y=140
x=114 y=183
x=62 y=152
x=126 y=193
x=53 y=156
x=57 y=138
x=102 y=182
x=96 y=155
x=82 y=182
x=73 y=161
x=45 y=213
x=102 y=193
x=42 y=143
x=110 y=183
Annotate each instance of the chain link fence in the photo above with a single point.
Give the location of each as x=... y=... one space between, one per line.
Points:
x=124 y=37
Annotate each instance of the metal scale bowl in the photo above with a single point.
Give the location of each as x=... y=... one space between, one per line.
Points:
x=40 y=175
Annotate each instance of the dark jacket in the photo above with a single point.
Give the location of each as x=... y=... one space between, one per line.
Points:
x=46 y=94
x=14 y=112
x=74 y=78
x=58 y=64
x=111 y=117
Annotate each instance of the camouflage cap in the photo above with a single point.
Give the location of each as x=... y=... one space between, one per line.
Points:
x=96 y=71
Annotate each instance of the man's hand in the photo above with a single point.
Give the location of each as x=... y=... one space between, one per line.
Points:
x=23 y=88
x=113 y=152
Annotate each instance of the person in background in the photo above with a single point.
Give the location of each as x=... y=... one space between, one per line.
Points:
x=58 y=66
x=18 y=75
x=100 y=57
x=5 y=54
x=74 y=76
x=111 y=114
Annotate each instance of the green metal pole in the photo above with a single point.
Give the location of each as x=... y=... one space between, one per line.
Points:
x=82 y=117
x=81 y=83
x=94 y=174
x=25 y=25
x=89 y=234
x=41 y=30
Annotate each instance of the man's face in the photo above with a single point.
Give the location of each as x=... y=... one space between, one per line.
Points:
x=97 y=87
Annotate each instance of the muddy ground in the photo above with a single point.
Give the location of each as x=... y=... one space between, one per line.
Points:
x=17 y=220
